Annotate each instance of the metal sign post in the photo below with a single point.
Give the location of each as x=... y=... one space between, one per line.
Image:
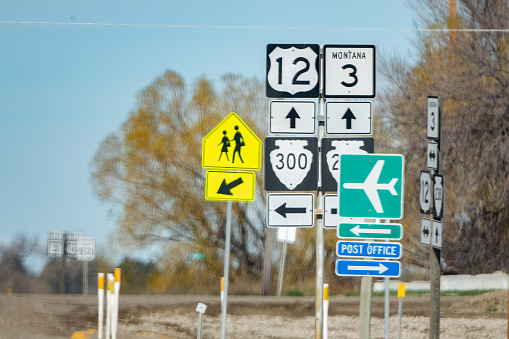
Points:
x=226 y=266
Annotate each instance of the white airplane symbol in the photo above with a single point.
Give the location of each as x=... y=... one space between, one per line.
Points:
x=371 y=186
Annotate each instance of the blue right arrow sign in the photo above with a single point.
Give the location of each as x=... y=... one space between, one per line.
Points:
x=368 y=268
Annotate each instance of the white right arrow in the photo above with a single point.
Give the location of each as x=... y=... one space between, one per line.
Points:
x=380 y=268
x=357 y=230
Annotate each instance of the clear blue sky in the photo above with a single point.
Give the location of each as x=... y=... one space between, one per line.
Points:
x=65 y=87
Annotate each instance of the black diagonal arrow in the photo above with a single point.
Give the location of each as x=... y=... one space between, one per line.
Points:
x=293 y=115
x=226 y=188
x=349 y=117
x=282 y=210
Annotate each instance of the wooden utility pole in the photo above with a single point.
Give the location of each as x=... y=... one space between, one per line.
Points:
x=435 y=253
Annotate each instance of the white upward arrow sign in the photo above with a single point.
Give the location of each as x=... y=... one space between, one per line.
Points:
x=380 y=268
x=357 y=230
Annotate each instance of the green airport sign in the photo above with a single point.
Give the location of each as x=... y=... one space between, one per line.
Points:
x=371 y=186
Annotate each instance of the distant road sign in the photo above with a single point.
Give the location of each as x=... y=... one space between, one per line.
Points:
x=426 y=231
x=436 y=234
x=425 y=193
x=432 y=155
x=85 y=250
x=55 y=244
x=348 y=117
x=290 y=209
x=231 y=145
x=349 y=71
x=370 y=231
x=291 y=163
x=230 y=186
x=434 y=120
x=371 y=186
x=293 y=71
x=71 y=241
x=438 y=196
x=196 y=256
x=332 y=148
x=368 y=249
x=294 y=117
x=368 y=268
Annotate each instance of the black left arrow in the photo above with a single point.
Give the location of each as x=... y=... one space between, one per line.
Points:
x=226 y=188
x=292 y=115
x=349 y=117
x=282 y=210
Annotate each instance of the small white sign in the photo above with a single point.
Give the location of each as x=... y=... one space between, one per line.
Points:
x=433 y=118
x=436 y=234
x=55 y=244
x=201 y=308
x=294 y=210
x=438 y=196
x=85 y=248
x=287 y=234
x=425 y=194
x=71 y=240
x=425 y=231
x=432 y=155
x=348 y=118
x=294 y=117
x=331 y=218
x=349 y=71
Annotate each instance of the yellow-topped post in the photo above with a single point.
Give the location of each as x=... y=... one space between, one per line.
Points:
x=325 y=310
x=401 y=295
x=100 y=296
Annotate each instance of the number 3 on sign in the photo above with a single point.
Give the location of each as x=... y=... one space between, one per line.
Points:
x=292 y=71
x=349 y=71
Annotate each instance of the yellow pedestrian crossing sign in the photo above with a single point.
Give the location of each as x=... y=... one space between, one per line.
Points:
x=231 y=145
x=233 y=186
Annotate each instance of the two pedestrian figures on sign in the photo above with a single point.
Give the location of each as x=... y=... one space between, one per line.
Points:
x=225 y=142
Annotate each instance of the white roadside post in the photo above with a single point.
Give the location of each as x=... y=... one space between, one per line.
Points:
x=325 y=332
x=201 y=308
x=116 y=290
x=109 y=303
x=100 y=296
x=222 y=291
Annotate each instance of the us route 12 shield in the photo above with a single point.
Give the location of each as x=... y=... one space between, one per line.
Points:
x=371 y=186
x=293 y=71
x=291 y=163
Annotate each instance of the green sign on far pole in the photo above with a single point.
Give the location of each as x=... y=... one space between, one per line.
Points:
x=371 y=186
x=371 y=231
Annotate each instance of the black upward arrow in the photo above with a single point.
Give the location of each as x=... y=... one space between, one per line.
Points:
x=226 y=188
x=349 y=117
x=292 y=116
x=282 y=210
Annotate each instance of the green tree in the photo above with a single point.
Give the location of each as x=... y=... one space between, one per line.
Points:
x=470 y=70
x=150 y=171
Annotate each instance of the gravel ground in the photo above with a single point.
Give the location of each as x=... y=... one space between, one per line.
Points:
x=165 y=316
